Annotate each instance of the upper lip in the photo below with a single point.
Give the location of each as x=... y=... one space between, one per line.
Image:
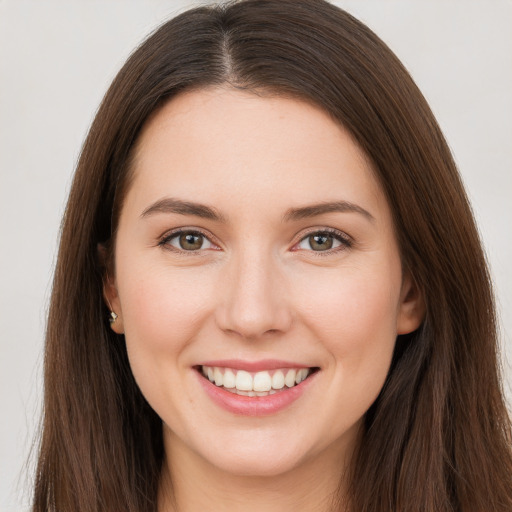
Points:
x=254 y=366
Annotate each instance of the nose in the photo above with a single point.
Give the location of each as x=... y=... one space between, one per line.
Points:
x=252 y=298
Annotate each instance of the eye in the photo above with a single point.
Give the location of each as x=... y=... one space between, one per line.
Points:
x=188 y=241
x=323 y=241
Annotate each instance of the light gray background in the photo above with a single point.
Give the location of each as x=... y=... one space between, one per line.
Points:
x=56 y=61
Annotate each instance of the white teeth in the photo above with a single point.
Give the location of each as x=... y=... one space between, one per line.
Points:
x=258 y=384
x=301 y=375
x=278 y=380
x=262 y=382
x=217 y=376
x=229 y=379
x=289 y=380
x=243 y=381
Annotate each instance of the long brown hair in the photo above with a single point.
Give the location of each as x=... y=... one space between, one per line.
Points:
x=438 y=438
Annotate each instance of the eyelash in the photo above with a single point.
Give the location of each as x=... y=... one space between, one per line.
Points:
x=345 y=241
x=164 y=241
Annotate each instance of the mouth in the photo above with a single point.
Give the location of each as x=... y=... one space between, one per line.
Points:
x=255 y=384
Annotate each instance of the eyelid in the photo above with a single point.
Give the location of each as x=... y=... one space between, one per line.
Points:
x=345 y=240
x=164 y=239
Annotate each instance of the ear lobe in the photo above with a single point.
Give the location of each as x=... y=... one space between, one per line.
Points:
x=112 y=300
x=411 y=310
x=110 y=294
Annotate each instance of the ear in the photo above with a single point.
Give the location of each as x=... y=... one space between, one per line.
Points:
x=110 y=295
x=411 y=310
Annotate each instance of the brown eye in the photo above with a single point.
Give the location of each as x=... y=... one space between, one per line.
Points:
x=189 y=241
x=320 y=242
x=323 y=241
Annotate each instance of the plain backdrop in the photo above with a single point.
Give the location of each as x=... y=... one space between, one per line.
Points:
x=57 y=59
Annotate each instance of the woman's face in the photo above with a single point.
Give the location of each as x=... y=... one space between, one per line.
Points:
x=256 y=246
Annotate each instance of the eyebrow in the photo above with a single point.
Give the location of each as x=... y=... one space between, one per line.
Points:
x=172 y=205
x=314 y=210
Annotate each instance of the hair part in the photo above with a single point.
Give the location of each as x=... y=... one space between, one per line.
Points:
x=438 y=438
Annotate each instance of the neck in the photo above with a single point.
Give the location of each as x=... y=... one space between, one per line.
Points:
x=190 y=483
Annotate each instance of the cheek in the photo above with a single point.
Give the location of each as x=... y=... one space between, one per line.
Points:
x=162 y=313
x=354 y=312
x=161 y=309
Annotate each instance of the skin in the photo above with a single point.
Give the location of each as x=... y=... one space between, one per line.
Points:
x=257 y=290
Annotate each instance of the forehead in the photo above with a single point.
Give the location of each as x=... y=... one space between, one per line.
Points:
x=220 y=143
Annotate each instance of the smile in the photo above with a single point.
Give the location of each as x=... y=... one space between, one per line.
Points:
x=262 y=383
x=255 y=388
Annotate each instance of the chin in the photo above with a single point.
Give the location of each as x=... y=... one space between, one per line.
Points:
x=263 y=464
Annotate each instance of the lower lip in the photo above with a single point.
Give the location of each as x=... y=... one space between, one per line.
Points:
x=257 y=405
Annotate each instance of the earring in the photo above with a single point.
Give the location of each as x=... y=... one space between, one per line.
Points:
x=113 y=316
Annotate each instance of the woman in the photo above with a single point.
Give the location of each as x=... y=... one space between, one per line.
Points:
x=270 y=291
